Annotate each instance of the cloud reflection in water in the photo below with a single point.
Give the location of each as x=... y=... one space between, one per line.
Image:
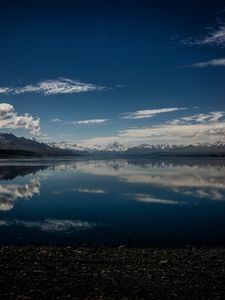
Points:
x=51 y=225
x=10 y=193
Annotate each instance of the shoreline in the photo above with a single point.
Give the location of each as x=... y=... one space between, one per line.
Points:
x=52 y=272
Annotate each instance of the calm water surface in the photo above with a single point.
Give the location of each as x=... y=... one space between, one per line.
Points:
x=135 y=202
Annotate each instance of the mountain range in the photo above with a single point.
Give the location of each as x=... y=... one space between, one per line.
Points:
x=117 y=149
x=11 y=146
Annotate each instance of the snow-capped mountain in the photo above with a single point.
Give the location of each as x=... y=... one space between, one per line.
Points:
x=112 y=147
x=69 y=146
x=10 y=145
x=200 y=149
x=115 y=147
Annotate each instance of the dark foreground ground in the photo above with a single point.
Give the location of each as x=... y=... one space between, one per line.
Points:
x=111 y=273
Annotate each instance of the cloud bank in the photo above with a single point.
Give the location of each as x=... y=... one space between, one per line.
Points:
x=53 y=87
x=189 y=129
x=11 y=120
x=202 y=126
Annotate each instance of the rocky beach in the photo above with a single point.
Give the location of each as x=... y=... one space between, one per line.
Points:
x=40 y=272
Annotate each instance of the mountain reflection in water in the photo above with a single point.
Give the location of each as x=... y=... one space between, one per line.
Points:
x=150 y=202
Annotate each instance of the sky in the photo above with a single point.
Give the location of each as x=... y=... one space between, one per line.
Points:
x=92 y=72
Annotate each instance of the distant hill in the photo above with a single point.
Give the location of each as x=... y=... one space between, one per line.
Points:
x=12 y=146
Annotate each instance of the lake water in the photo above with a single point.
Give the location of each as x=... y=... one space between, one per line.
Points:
x=115 y=202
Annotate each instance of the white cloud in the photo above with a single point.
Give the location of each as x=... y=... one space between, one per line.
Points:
x=91 y=121
x=218 y=62
x=11 y=120
x=4 y=90
x=174 y=132
x=211 y=117
x=189 y=129
x=148 y=113
x=57 y=120
x=215 y=37
x=54 y=87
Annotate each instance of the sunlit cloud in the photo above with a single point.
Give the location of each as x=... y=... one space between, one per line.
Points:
x=10 y=119
x=54 y=87
x=148 y=113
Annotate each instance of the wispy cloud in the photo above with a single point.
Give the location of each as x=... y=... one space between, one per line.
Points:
x=4 y=90
x=57 y=120
x=211 y=117
x=89 y=191
x=52 y=225
x=54 y=87
x=219 y=62
x=10 y=119
x=210 y=193
x=213 y=37
x=151 y=199
x=148 y=113
x=88 y=122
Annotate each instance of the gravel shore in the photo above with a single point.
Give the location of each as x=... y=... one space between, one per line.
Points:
x=39 y=272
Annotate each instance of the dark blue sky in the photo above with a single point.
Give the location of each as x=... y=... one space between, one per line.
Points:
x=80 y=66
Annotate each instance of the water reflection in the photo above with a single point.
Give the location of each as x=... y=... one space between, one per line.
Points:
x=90 y=191
x=10 y=193
x=151 y=199
x=201 y=179
x=135 y=201
x=9 y=172
x=51 y=225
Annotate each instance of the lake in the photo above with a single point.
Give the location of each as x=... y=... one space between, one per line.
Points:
x=136 y=202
